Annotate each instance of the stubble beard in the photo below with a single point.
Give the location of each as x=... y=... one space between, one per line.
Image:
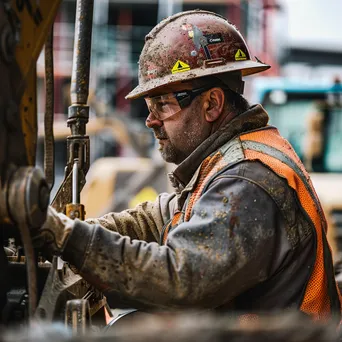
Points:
x=169 y=152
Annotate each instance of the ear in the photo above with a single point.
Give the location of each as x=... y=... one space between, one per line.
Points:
x=213 y=104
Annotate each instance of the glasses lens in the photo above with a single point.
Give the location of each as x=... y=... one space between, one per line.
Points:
x=164 y=106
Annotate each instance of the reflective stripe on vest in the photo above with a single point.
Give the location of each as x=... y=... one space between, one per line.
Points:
x=320 y=297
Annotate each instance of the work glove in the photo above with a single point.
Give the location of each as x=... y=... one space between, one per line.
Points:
x=54 y=233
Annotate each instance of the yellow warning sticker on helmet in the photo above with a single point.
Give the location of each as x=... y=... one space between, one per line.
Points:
x=240 y=55
x=180 y=67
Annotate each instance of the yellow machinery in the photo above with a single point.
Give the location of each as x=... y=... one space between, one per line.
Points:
x=32 y=288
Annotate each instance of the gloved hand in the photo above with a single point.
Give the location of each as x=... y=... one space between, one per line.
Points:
x=54 y=233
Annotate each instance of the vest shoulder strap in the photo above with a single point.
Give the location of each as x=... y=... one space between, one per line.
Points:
x=321 y=296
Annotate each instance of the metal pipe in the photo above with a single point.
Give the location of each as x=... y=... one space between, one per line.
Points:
x=75 y=185
x=78 y=112
x=82 y=46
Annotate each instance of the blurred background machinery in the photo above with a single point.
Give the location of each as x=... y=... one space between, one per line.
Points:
x=309 y=116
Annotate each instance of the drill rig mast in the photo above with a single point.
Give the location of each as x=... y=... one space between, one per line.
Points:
x=32 y=289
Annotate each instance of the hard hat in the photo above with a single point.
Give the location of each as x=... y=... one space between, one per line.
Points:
x=189 y=45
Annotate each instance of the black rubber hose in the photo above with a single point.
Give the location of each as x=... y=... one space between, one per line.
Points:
x=31 y=268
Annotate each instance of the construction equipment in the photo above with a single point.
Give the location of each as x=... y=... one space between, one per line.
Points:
x=68 y=197
x=24 y=194
x=48 y=291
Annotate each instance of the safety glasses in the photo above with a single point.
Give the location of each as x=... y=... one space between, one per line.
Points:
x=164 y=106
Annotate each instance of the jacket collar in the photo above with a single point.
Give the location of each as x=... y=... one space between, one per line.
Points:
x=255 y=117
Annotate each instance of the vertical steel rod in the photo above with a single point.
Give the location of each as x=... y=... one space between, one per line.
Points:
x=75 y=185
x=82 y=46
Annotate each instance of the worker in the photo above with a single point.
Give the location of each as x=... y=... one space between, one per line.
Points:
x=244 y=229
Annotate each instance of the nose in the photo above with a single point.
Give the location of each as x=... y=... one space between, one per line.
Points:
x=152 y=121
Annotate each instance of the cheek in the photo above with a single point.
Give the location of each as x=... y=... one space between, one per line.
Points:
x=187 y=130
x=188 y=134
x=194 y=124
x=184 y=128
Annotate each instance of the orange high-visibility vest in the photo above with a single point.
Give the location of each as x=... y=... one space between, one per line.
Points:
x=321 y=296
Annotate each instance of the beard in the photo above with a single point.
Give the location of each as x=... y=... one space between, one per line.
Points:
x=169 y=152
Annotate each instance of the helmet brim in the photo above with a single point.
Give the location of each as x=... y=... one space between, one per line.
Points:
x=246 y=67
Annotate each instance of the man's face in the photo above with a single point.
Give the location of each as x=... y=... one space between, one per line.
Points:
x=180 y=134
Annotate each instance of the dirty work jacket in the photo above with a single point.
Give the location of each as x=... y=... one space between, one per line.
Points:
x=241 y=235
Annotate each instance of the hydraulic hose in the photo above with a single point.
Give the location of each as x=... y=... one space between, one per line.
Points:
x=31 y=268
x=49 y=144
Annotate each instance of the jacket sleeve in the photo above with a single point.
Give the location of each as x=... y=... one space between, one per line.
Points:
x=144 y=222
x=224 y=249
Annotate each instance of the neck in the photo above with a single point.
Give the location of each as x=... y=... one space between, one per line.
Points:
x=223 y=120
x=255 y=117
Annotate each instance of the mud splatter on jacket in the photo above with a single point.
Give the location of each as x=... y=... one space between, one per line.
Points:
x=233 y=235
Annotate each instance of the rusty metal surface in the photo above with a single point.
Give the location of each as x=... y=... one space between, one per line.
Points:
x=64 y=193
x=63 y=285
x=17 y=196
x=82 y=47
x=75 y=211
x=77 y=316
x=31 y=268
x=12 y=147
x=24 y=193
x=28 y=198
x=18 y=116
x=78 y=114
x=60 y=280
x=36 y=19
x=4 y=188
x=78 y=148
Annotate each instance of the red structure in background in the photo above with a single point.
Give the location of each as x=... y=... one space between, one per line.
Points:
x=269 y=9
x=264 y=49
x=124 y=79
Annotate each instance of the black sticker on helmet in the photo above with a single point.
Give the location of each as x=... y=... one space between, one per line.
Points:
x=214 y=38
